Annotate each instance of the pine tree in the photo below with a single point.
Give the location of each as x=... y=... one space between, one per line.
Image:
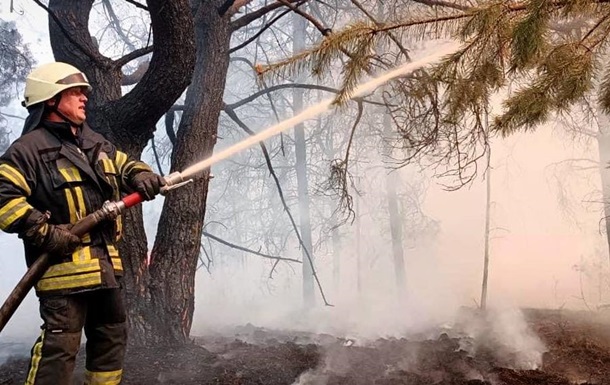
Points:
x=552 y=50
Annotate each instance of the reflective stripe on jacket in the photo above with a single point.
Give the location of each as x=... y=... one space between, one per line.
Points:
x=48 y=169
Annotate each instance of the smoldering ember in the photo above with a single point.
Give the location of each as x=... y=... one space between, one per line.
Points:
x=304 y=192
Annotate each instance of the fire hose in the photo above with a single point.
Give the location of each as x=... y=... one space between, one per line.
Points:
x=109 y=211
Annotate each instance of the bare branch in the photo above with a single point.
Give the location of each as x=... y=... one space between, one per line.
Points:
x=358 y=5
x=157 y=159
x=339 y=174
x=11 y=116
x=441 y=3
x=117 y=25
x=169 y=124
x=91 y=55
x=295 y=8
x=237 y=5
x=259 y=32
x=138 y=5
x=234 y=246
x=135 y=76
x=276 y=87
x=133 y=55
x=252 y=16
x=279 y=87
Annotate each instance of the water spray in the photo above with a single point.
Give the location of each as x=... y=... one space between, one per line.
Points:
x=318 y=109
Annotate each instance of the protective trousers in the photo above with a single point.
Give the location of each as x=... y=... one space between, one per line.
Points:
x=102 y=314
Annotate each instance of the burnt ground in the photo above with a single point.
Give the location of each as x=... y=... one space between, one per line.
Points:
x=569 y=348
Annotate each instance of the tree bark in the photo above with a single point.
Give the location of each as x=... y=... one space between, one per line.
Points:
x=169 y=314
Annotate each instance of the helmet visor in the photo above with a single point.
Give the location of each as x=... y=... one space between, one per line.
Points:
x=72 y=79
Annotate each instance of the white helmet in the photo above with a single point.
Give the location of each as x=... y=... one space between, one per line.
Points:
x=48 y=80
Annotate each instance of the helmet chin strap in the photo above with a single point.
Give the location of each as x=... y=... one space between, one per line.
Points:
x=55 y=108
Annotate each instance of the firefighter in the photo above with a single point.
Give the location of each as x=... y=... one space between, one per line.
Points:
x=57 y=172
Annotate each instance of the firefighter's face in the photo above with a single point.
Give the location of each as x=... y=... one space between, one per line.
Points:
x=72 y=104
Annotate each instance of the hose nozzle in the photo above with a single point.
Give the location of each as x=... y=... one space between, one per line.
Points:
x=174 y=181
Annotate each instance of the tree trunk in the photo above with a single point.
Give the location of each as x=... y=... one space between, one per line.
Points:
x=299 y=33
x=395 y=224
x=332 y=153
x=487 y=223
x=603 y=142
x=358 y=253
x=336 y=240
x=168 y=313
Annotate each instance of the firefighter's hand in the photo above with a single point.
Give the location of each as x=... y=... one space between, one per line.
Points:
x=148 y=184
x=60 y=240
x=54 y=239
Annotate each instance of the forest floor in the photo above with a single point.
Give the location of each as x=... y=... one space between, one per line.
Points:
x=552 y=347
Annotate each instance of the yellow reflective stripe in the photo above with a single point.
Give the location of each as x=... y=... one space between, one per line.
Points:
x=108 y=166
x=71 y=206
x=117 y=264
x=103 y=378
x=71 y=174
x=82 y=210
x=71 y=268
x=82 y=254
x=69 y=282
x=119 y=227
x=35 y=362
x=135 y=165
x=13 y=210
x=12 y=174
x=76 y=209
x=81 y=201
x=112 y=250
x=86 y=238
x=120 y=160
x=44 y=229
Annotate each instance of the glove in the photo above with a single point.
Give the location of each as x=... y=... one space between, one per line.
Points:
x=60 y=240
x=148 y=184
x=55 y=239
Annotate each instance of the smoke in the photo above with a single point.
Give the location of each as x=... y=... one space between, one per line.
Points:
x=505 y=334
x=469 y=350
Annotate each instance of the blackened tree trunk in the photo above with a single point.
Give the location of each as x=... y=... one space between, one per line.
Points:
x=177 y=246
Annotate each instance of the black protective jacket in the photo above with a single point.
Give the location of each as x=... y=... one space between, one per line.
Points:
x=50 y=169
